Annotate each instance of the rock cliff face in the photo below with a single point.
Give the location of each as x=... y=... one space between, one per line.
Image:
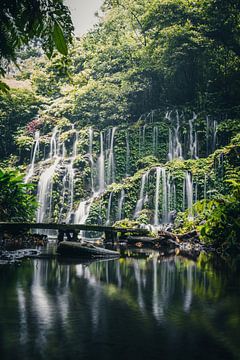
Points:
x=148 y=171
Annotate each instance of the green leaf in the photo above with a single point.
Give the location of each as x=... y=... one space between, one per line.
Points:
x=59 y=39
x=4 y=87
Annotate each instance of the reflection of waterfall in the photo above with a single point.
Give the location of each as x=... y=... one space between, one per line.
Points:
x=138 y=279
x=188 y=292
x=22 y=304
x=41 y=302
x=142 y=195
x=164 y=279
x=34 y=154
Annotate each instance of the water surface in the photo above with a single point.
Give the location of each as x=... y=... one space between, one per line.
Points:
x=136 y=307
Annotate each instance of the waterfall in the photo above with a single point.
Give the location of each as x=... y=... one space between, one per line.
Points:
x=45 y=184
x=90 y=151
x=68 y=190
x=82 y=212
x=141 y=199
x=192 y=138
x=155 y=140
x=75 y=146
x=211 y=135
x=44 y=193
x=70 y=175
x=207 y=135
x=120 y=204
x=170 y=145
x=109 y=209
x=143 y=136
x=174 y=147
x=34 y=154
x=156 y=212
x=164 y=197
x=54 y=144
x=214 y=140
x=111 y=161
x=189 y=193
x=101 y=162
x=127 y=153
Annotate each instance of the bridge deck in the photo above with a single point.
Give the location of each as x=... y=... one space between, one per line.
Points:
x=69 y=227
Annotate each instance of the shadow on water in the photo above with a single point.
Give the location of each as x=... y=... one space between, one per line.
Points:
x=140 y=306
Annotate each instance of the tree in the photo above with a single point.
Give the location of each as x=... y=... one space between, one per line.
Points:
x=48 y=21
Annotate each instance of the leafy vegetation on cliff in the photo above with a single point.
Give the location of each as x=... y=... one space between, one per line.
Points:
x=16 y=201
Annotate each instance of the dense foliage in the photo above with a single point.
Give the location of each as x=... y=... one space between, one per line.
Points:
x=47 y=22
x=16 y=202
x=146 y=55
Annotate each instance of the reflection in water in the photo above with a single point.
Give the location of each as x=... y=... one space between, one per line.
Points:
x=129 y=307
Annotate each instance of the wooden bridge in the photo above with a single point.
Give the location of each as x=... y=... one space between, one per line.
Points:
x=71 y=230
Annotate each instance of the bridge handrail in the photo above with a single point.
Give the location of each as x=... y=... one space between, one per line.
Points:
x=71 y=227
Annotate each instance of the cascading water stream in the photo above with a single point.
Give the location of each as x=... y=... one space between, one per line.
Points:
x=53 y=144
x=175 y=147
x=45 y=184
x=214 y=141
x=111 y=161
x=189 y=193
x=34 y=154
x=69 y=178
x=164 y=197
x=90 y=151
x=82 y=212
x=142 y=197
x=44 y=194
x=155 y=140
x=120 y=204
x=156 y=212
x=192 y=138
x=109 y=209
x=101 y=166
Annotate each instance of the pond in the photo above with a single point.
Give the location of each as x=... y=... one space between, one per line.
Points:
x=141 y=306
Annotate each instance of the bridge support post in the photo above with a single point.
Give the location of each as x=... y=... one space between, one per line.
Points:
x=110 y=236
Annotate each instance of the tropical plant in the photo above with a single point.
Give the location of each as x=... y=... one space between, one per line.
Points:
x=16 y=201
x=47 y=21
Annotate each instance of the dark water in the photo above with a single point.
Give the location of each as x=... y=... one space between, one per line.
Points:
x=131 y=308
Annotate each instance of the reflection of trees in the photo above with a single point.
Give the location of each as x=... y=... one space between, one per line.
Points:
x=49 y=301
